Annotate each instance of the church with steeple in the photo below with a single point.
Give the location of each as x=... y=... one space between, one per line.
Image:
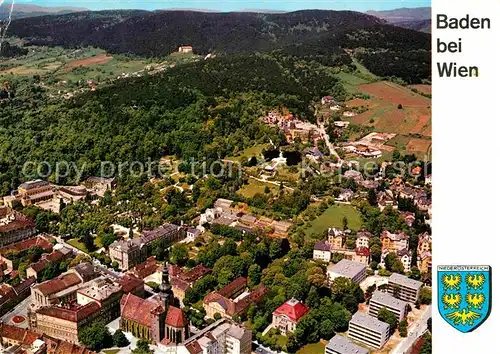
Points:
x=156 y=318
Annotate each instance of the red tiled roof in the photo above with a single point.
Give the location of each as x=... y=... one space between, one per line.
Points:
x=27 y=244
x=194 y=348
x=363 y=251
x=45 y=261
x=233 y=287
x=55 y=285
x=293 y=309
x=129 y=283
x=73 y=315
x=13 y=333
x=175 y=317
x=195 y=273
x=139 y=310
x=179 y=284
x=20 y=222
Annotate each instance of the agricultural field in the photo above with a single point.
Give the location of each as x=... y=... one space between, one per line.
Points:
x=393 y=108
x=64 y=70
x=333 y=217
x=423 y=89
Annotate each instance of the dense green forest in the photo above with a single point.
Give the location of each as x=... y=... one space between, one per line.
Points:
x=201 y=110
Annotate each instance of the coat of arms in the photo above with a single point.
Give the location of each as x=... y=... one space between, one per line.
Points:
x=464 y=295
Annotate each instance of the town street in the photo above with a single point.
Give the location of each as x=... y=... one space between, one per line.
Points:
x=414 y=332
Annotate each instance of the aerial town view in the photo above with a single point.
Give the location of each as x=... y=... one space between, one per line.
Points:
x=215 y=181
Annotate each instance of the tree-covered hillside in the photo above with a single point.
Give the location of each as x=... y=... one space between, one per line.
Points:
x=202 y=110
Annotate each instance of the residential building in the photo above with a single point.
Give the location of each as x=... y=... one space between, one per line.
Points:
x=221 y=337
x=336 y=239
x=233 y=299
x=322 y=252
x=368 y=330
x=403 y=255
x=129 y=253
x=8 y=253
x=36 y=269
x=11 y=296
x=341 y=345
x=182 y=281
x=347 y=269
x=381 y=300
x=146 y=268
x=424 y=253
x=20 y=340
x=394 y=242
x=363 y=239
x=14 y=226
x=286 y=317
x=405 y=288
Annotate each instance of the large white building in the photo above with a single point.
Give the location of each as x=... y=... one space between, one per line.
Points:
x=380 y=300
x=341 y=345
x=405 y=288
x=368 y=330
x=347 y=269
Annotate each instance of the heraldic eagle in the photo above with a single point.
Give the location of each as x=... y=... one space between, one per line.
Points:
x=465 y=317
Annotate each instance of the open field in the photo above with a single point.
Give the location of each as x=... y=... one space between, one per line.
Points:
x=254 y=187
x=425 y=89
x=333 y=217
x=419 y=147
x=412 y=118
x=101 y=59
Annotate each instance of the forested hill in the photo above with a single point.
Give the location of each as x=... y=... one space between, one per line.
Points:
x=161 y=32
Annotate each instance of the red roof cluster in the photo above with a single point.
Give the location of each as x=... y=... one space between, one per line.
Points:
x=139 y=310
x=293 y=309
x=75 y=314
x=129 y=283
x=59 y=283
x=27 y=244
x=175 y=318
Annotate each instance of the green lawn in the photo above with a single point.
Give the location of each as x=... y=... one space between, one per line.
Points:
x=248 y=152
x=315 y=348
x=333 y=217
x=253 y=187
x=76 y=243
x=111 y=351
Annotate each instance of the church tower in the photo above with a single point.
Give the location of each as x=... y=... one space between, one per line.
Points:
x=165 y=289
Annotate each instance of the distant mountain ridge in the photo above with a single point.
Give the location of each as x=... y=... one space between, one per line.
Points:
x=418 y=19
x=27 y=10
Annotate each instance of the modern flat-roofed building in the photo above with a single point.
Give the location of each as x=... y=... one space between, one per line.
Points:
x=368 y=330
x=341 y=345
x=380 y=300
x=408 y=289
x=347 y=269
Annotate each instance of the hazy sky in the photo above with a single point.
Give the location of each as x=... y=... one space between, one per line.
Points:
x=232 y=5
